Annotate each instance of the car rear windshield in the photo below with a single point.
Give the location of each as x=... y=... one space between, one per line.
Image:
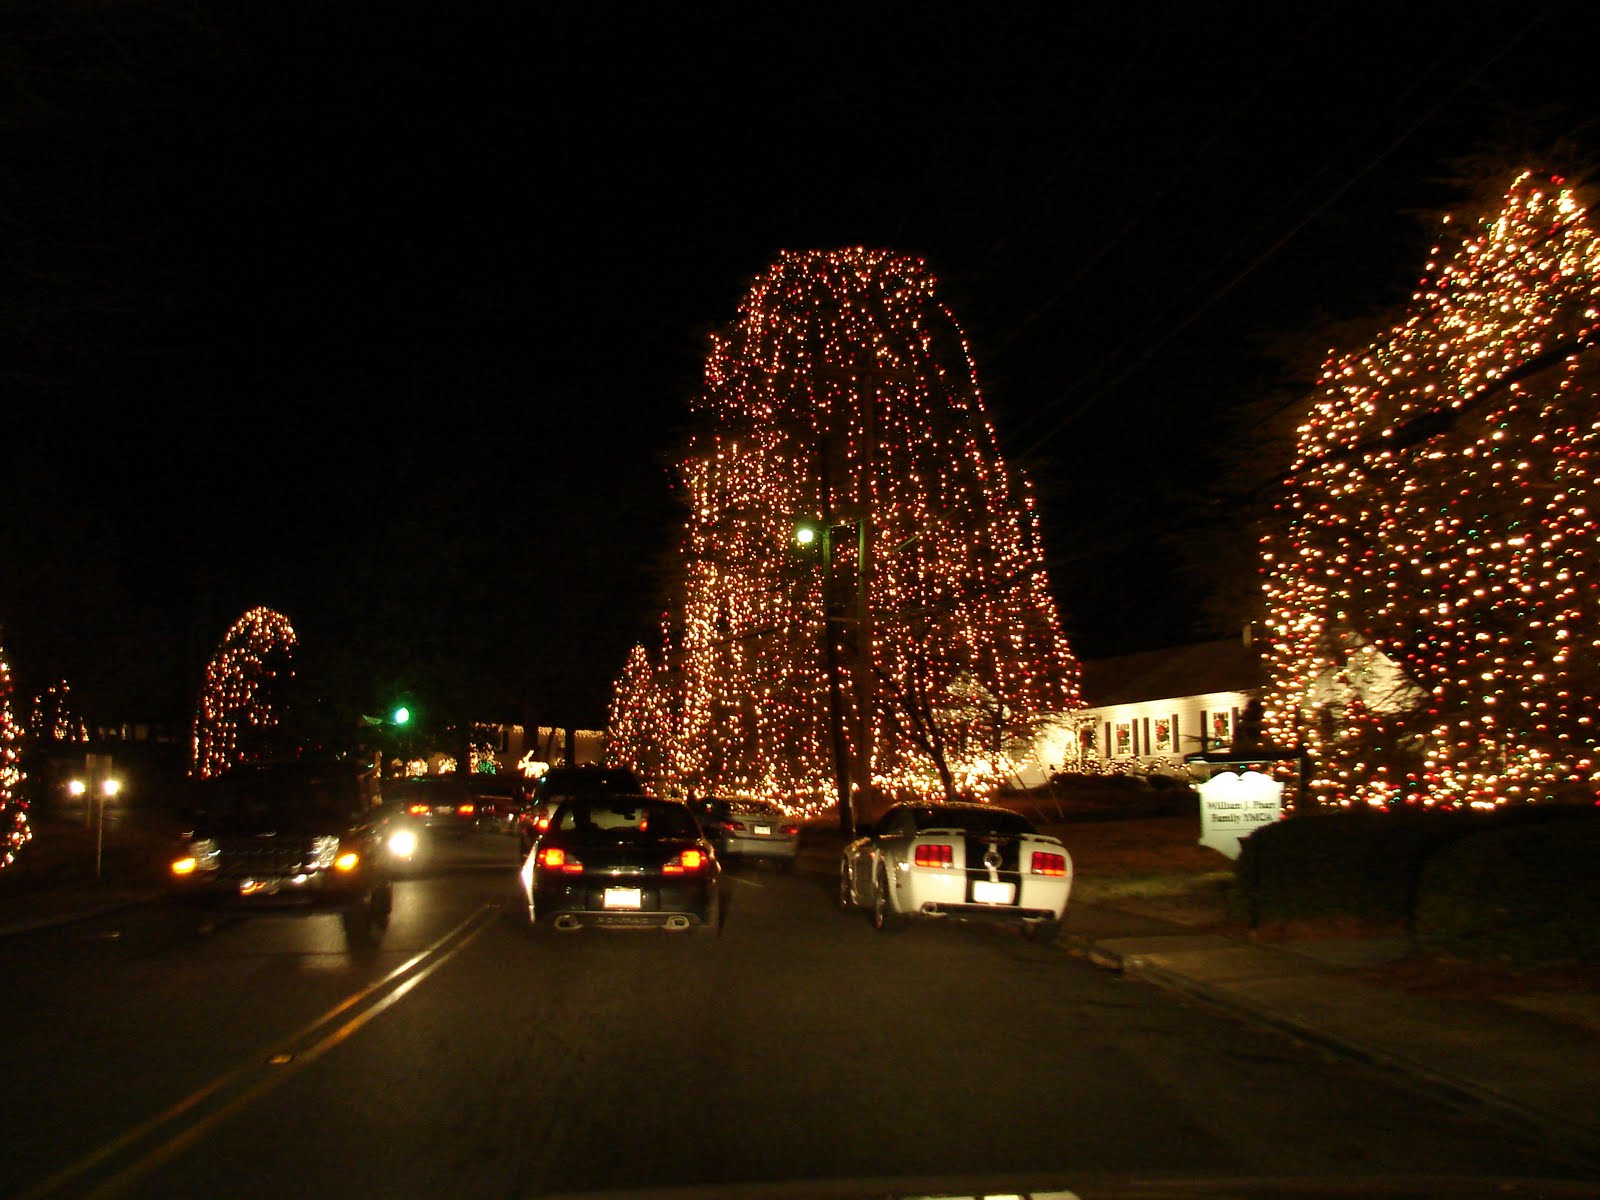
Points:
x=973 y=820
x=625 y=819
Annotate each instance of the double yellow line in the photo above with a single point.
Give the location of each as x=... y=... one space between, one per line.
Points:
x=113 y=1167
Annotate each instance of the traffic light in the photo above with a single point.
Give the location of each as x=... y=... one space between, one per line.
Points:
x=401 y=715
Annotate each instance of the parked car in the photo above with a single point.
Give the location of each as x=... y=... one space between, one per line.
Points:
x=564 y=783
x=622 y=860
x=287 y=838
x=751 y=829
x=438 y=804
x=968 y=861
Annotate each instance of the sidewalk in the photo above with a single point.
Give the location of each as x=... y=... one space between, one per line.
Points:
x=1536 y=1063
x=54 y=882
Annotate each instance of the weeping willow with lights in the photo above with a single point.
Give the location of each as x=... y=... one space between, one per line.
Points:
x=15 y=829
x=845 y=393
x=240 y=701
x=1438 y=531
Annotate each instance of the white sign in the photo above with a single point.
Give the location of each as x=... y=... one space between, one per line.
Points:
x=1232 y=807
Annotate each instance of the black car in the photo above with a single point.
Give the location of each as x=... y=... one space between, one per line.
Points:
x=621 y=860
x=290 y=838
x=442 y=804
x=565 y=783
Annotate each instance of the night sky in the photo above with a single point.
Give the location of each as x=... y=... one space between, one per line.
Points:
x=387 y=316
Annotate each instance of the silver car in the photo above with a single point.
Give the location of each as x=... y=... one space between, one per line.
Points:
x=752 y=829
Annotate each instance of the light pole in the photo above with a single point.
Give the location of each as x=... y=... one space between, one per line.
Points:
x=852 y=772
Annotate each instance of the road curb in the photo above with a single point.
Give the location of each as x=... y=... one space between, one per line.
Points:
x=1581 y=1140
x=56 y=920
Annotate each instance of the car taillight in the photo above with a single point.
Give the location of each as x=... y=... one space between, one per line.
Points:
x=935 y=856
x=733 y=826
x=544 y=823
x=791 y=831
x=1049 y=864
x=466 y=810
x=558 y=859
x=418 y=810
x=688 y=860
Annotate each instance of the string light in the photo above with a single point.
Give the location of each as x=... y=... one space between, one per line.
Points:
x=1440 y=521
x=238 y=695
x=15 y=828
x=846 y=390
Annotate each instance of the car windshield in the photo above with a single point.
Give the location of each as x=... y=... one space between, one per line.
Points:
x=258 y=801
x=972 y=820
x=626 y=819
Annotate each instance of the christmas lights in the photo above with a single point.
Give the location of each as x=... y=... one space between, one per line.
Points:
x=15 y=829
x=239 y=699
x=1431 y=580
x=845 y=393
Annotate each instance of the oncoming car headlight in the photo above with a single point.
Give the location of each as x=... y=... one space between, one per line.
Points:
x=403 y=843
x=323 y=852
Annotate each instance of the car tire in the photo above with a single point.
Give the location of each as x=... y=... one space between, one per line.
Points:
x=712 y=925
x=363 y=922
x=884 y=918
x=1043 y=932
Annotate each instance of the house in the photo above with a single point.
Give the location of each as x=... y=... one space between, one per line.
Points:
x=1151 y=709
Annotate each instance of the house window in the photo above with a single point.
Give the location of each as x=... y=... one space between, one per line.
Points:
x=1124 y=737
x=1162 y=736
x=1222 y=727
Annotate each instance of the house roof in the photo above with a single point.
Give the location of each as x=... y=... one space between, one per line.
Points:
x=1194 y=670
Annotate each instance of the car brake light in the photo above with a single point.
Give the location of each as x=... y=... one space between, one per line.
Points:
x=466 y=810
x=1049 y=864
x=544 y=823
x=688 y=860
x=791 y=831
x=556 y=858
x=936 y=855
x=733 y=826
x=418 y=810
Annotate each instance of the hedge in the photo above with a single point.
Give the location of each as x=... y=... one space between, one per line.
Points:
x=1523 y=897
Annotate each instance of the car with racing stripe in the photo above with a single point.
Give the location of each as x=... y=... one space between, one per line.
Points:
x=966 y=861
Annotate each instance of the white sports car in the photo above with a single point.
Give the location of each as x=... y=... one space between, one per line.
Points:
x=970 y=861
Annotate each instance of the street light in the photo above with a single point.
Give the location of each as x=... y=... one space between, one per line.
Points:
x=810 y=534
x=108 y=789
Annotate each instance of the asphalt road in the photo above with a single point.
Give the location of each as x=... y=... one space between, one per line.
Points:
x=465 y=1058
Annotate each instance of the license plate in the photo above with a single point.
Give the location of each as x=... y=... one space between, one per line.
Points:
x=622 y=897
x=764 y=829
x=985 y=892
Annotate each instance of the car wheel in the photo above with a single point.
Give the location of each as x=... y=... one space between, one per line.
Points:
x=363 y=923
x=884 y=918
x=382 y=902
x=846 y=899
x=712 y=925
x=1041 y=931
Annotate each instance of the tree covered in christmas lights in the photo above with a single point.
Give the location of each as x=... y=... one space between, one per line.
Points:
x=919 y=628
x=240 y=715
x=15 y=829
x=55 y=718
x=1431 y=579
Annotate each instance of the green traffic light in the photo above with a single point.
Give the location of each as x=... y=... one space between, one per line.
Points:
x=402 y=715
